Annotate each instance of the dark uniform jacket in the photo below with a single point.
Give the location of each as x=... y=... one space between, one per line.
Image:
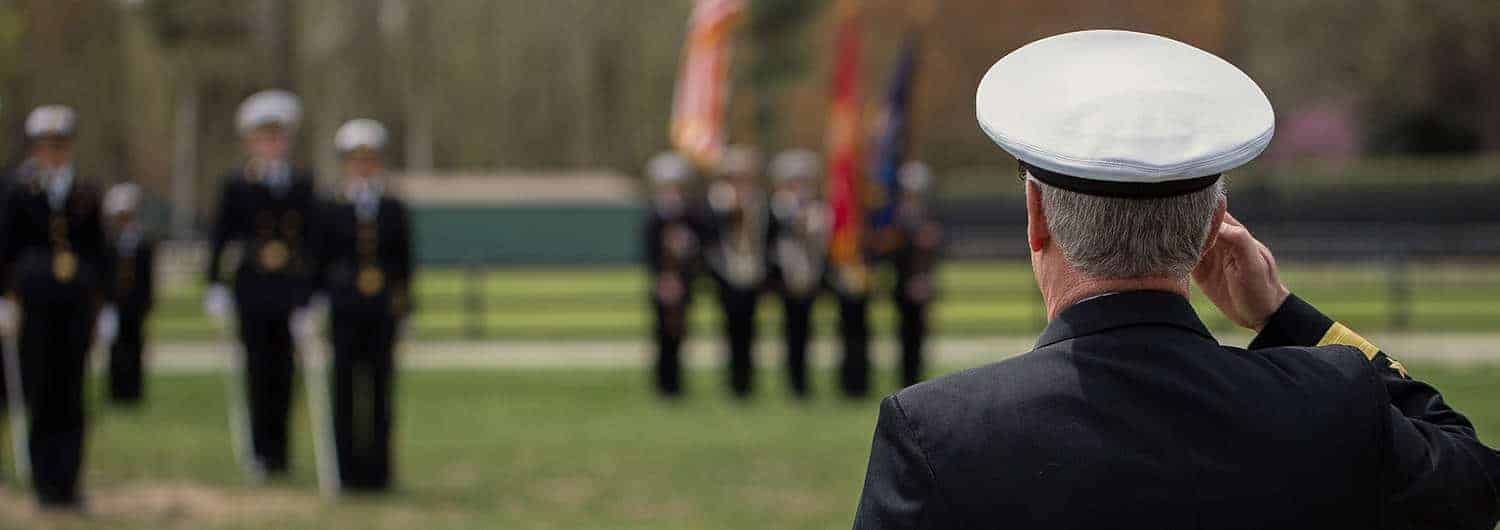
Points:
x=662 y=254
x=27 y=251
x=916 y=252
x=135 y=281
x=1130 y=415
x=343 y=262
x=252 y=214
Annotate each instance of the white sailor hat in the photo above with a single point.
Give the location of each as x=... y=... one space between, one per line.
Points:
x=121 y=198
x=51 y=121
x=360 y=135
x=740 y=160
x=914 y=177
x=668 y=168
x=795 y=164
x=1119 y=113
x=269 y=108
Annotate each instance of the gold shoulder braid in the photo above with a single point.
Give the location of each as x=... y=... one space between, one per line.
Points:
x=1341 y=335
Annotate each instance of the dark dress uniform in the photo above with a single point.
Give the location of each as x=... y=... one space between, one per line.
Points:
x=915 y=262
x=273 y=278
x=1130 y=414
x=798 y=244
x=672 y=245
x=735 y=252
x=366 y=253
x=854 y=335
x=56 y=263
x=134 y=294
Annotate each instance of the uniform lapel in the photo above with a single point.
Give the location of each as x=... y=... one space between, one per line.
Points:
x=1134 y=308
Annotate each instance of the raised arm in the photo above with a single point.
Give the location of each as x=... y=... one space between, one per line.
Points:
x=1435 y=473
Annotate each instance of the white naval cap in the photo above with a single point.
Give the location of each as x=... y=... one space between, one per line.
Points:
x=51 y=120
x=914 y=177
x=740 y=160
x=360 y=135
x=122 y=198
x=1120 y=113
x=796 y=164
x=267 y=108
x=668 y=168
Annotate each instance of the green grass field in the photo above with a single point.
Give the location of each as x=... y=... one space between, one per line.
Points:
x=978 y=299
x=522 y=449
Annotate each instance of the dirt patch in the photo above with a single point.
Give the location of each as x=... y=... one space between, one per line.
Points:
x=176 y=505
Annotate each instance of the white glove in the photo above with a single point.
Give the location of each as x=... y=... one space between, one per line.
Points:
x=9 y=317
x=107 y=325
x=306 y=320
x=217 y=302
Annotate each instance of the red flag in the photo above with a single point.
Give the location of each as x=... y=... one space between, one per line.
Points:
x=846 y=177
x=698 y=129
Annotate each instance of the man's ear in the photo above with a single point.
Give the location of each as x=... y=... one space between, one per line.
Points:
x=1213 y=227
x=1037 y=234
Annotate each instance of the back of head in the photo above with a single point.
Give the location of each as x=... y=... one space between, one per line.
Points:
x=1129 y=168
x=1128 y=238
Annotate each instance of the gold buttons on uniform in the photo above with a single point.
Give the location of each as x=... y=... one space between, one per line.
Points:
x=371 y=280
x=64 y=266
x=274 y=255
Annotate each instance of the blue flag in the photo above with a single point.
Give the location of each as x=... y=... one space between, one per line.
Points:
x=895 y=142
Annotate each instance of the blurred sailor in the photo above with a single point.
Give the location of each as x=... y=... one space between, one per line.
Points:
x=366 y=258
x=1129 y=414
x=265 y=206
x=134 y=291
x=56 y=266
x=850 y=282
x=917 y=238
x=799 y=231
x=366 y=253
x=736 y=255
x=673 y=232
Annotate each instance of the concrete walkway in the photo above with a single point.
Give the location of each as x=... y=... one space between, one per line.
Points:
x=211 y=356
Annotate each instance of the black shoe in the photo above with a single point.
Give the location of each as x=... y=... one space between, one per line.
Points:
x=60 y=503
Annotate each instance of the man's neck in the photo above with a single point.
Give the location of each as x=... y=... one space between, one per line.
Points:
x=1086 y=288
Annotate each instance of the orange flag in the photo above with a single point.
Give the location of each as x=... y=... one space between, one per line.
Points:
x=846 y=174
x=698 y=109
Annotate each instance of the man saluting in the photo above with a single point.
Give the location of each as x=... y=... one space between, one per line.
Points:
x=1129 y=414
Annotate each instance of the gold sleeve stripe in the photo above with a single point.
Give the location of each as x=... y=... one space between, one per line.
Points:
x=1342 y=335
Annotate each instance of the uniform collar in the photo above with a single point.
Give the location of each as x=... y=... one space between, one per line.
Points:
x=1119 y=310
x=58 y=183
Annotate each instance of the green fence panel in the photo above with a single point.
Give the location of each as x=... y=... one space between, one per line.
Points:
x=528 y=235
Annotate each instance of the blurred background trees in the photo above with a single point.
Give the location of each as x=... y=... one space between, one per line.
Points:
x=472 y=85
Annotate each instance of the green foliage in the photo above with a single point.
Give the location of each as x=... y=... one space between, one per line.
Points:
x=193 y=23
x=778 y=37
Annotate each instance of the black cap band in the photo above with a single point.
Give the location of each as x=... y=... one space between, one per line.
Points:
x=1129 y=190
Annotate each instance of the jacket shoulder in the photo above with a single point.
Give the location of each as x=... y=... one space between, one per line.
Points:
x=1334 y=362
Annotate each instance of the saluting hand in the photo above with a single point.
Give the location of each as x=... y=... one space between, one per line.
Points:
x=1239 y=275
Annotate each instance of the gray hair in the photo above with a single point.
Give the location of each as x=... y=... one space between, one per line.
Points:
x=1129 y=238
